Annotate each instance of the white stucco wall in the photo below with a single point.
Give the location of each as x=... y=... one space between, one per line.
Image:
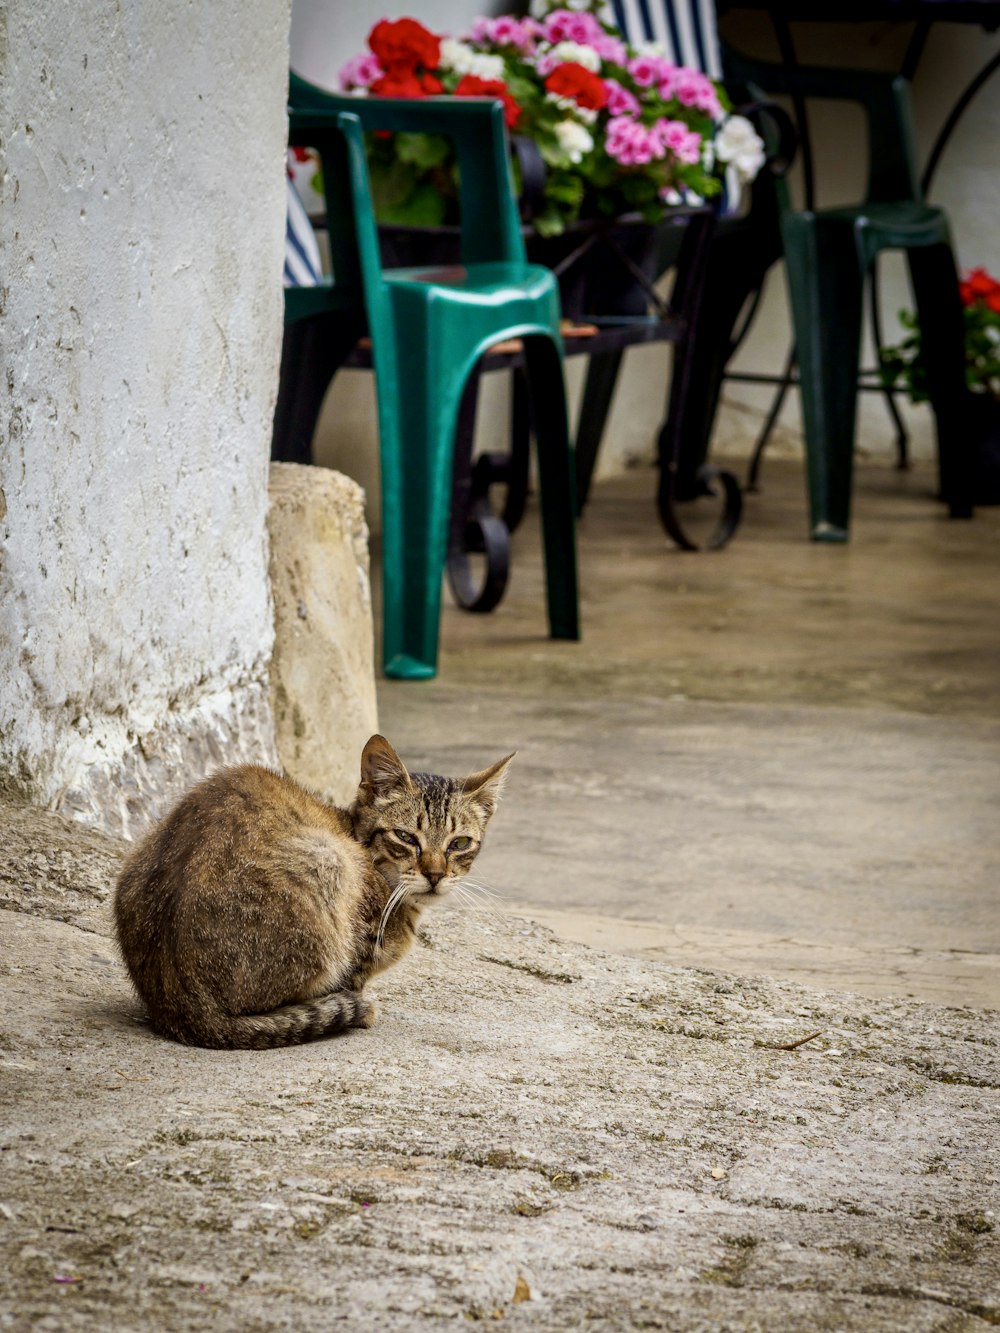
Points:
x=142 y=217
x=325 y=34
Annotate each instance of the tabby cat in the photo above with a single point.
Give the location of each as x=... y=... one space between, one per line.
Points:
x=254 y=913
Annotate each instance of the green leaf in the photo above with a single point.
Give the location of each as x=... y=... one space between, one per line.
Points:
x=392 y=184
x=549 y=222
x=422 y=150
x=565 y=189
x=424 y=207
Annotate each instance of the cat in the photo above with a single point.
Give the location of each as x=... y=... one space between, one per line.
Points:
x=253 y=914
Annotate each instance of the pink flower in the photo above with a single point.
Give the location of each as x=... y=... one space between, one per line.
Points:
x=645 y=70
x=620 y=101
x=676 y=138
x=566 y=26
x=611 y=49
x=631 y=144
x=506 y=31
x=360 y=72
x=694 y=89
x=668 y=82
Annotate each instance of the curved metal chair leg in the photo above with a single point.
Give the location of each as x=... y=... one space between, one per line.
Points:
x=474 y=528
x=889 y=397
x=784 y=384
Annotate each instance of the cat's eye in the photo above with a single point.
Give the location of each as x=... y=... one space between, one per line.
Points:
x=460 y=844
x=404 y=836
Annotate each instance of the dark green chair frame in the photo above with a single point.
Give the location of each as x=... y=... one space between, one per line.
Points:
x=429 y=327
x=829 y=253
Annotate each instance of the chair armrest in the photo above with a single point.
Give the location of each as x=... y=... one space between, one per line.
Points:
x=489 y=222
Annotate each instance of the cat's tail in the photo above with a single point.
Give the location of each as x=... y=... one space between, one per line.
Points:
x=294 y=1023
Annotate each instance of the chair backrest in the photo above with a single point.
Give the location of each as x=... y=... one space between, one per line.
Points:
x=491 y=229
x=884 y=98
x=685 y=28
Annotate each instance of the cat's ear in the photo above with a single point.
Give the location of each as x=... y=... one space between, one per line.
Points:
x=483 y=789
x=383 y=773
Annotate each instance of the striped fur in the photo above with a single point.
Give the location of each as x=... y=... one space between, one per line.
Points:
x=254 y=913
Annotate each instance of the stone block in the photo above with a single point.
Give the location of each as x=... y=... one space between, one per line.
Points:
x=322 y=670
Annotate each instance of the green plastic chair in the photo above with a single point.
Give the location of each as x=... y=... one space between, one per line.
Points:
x=429 y=327
x=828 y=254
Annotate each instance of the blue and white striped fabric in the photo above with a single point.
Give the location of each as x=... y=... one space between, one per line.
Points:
x=686 y=29
x=688 y=32
x=303 y=265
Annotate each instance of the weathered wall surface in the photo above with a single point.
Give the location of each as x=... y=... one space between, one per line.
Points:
x=141 y=207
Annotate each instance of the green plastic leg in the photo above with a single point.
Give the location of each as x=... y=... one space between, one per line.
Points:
x=557 y=484
x=416 y=505
x=942 y=329
x=825 y=286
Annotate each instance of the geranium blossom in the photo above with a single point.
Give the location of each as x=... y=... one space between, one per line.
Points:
x=566 y=26
x=404 y=45
x=575 y=139
x=630 y=143
x=473 y=86
x=579 y=84
x=360 y=72
x=677 y=138
x=739 y=145
x=568 y=53
x=463 y=59
x=620 y=128
x=620 y=101
x=521 y=34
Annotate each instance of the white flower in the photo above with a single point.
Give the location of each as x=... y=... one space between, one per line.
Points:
x=574 y=139
x=650 y=49
x=461 y=58
x=585 y=113
x=739 y=144
x=586 y=56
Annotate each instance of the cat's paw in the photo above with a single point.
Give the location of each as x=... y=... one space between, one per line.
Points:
x=367 y=1014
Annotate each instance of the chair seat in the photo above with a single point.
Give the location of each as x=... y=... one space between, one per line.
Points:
x=899 y=224
x=478 y=282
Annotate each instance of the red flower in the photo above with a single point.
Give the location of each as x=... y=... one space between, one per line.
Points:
x=398 y=83
x=470 y=85
x=578 y=83
x=431 y=84
x=979 y=286
x=404 y=46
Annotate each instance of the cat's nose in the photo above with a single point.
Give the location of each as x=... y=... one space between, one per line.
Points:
x=433 y=877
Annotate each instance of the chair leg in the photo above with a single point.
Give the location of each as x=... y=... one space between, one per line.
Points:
x=942 y=330
x=557 y=484
x=825 y=289
x=311 y=353
x=417 y=456
x=518 y=464
x=598 y=391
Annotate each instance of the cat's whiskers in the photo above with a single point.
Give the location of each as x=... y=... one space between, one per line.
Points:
x=487 y=893
x=490 y=895
x=393 y=901
x=467 y=890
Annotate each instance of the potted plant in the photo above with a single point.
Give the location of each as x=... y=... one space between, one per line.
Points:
x=903 y=367
x=621 y=132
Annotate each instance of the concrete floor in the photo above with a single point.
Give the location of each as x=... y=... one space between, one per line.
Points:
x=779 y=759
